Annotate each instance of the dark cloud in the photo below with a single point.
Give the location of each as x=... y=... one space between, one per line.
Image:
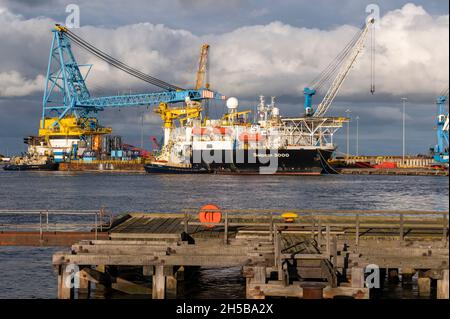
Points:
x=216 y=16
x=250 y=55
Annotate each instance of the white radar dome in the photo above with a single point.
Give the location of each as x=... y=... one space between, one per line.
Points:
x=232 y=103
x=275 y=111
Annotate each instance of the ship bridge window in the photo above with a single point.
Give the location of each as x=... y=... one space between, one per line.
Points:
x=209 y=146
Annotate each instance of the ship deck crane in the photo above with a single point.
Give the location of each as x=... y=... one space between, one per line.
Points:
x=337 y=71
x=68 y=107
x=442 y=123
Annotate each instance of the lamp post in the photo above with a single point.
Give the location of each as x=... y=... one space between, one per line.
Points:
x=348 y=111
x=404 y=99
x=142 y=130
x=357 y=135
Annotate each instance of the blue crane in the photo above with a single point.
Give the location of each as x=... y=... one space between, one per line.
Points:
x=66 y=93
x=441 y=148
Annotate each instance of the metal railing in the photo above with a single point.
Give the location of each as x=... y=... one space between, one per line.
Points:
x=55 y=221
x=317 y=222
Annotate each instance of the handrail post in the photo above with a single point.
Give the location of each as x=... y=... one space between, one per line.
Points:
x=278 y=259
x=357 y=231
x=96 y=225
x=319 y=231
x=47 y=219
x=328 y=235
x=334 y=252
x=271 y=227
x=444 y=230
x=225 y=239
x=401 y=227
x=101 y=219
x=185 y=222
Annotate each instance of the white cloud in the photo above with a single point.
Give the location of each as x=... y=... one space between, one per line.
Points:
x=13 y=84
x=272 y=59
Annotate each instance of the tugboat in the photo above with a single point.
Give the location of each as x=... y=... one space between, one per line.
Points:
x=34 y=167
x=31 y=163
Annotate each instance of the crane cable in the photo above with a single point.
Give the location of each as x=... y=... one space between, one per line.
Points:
x=335 y=64
x=372 y=59
x=118 y=64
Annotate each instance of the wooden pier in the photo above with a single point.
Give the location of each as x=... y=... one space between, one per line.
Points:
x=320 y=254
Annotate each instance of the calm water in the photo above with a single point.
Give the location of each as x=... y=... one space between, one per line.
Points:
x=27 y=272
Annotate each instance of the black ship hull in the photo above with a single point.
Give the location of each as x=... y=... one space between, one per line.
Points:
x=251 y=162
x=31 y=167
x=167 y=169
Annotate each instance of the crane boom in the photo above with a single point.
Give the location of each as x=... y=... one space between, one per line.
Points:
x=202 y=68
x=342 y=65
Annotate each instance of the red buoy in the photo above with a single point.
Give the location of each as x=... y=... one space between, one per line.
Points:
x=210 y=215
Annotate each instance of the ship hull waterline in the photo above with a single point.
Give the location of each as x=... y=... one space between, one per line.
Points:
x=280 y=162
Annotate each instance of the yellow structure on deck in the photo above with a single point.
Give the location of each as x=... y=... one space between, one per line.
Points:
x=71 y=126
x=169 y=115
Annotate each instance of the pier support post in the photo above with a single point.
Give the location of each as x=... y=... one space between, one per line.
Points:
x=357 y=277
x=257 y=277
x=442 y=286
x=159 y=283
x=171 y=283
x=424 y=284
x=65 y=288
x=407 y=274
x=85 y=285
x=147 y=271
x=105 y=288
x=393 y=275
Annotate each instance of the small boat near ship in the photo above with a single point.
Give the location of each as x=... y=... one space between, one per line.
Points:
x=32 y=162
x=31 y=167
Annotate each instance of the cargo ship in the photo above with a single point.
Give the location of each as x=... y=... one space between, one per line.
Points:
x=270 y=144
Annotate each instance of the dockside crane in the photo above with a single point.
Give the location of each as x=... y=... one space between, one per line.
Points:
x=69 y=109
x=201 y=80
x=442 y=123
x=337 y=71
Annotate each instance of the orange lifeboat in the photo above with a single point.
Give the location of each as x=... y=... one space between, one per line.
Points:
x=222 y=131
x=251 y=137
x=200 y=131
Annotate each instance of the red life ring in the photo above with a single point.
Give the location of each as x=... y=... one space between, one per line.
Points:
x=210 y=215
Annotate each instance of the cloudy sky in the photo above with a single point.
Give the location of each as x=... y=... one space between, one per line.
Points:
x=257 y=47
